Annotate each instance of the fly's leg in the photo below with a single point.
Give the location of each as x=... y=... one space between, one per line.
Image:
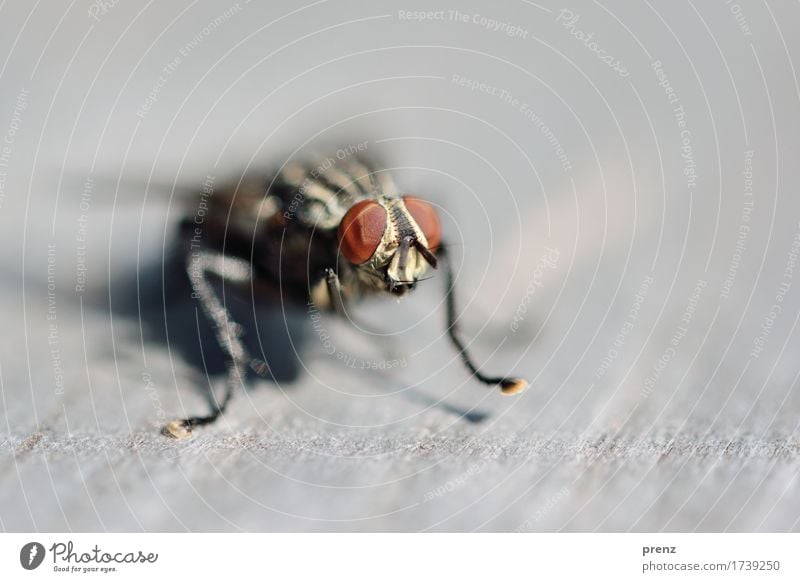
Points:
x=508 y=386
x=228 y=332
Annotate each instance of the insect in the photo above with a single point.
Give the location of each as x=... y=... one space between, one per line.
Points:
x=328 y=230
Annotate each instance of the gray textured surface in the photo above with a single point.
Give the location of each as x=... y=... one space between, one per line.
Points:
x=707 y=441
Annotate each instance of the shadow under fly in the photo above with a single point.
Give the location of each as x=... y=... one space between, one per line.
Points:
x=160 y=298
x=324 y=230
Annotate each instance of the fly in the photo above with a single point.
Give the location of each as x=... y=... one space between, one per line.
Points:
x=328 y=230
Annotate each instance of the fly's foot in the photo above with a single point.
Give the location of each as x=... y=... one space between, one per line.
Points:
x=178 y=429
x=512 y=386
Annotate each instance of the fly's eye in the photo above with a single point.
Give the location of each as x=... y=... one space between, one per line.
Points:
x=361 y=231
x=427 y=218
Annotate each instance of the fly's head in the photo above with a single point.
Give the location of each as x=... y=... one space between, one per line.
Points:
x=391 y=241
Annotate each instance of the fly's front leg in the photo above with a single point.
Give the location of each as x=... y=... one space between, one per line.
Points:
x=228 y=332
x=508 y=386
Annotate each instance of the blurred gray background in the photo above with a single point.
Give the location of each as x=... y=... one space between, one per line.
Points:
x=620 y=184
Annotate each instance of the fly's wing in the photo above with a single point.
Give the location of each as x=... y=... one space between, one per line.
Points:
x=234 y=213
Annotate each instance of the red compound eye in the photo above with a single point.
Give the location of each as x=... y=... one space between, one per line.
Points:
x=361 y=231
x=428 y=220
